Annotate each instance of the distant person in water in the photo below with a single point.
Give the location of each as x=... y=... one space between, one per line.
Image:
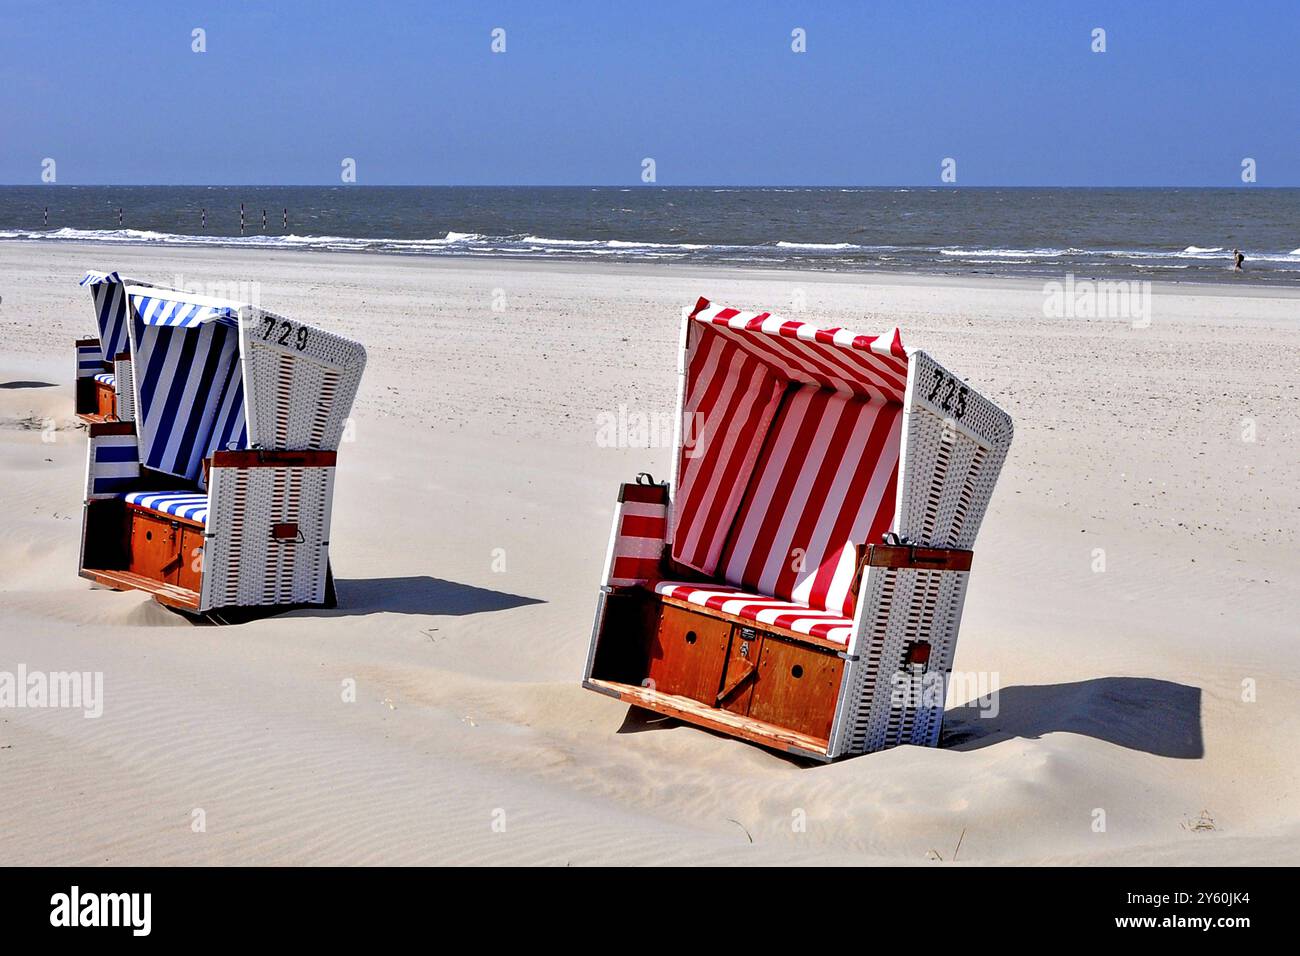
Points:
x=1237 y=260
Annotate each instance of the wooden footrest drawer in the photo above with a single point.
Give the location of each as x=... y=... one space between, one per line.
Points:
x=745 y=670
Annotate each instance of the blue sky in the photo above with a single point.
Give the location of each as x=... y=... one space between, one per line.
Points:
x=710 y=90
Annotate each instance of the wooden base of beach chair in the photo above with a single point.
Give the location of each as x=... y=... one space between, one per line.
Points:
x=787 y=690
x=711 y=718
x=765 y=684
x=105 y=402
x=147 y=531
x=99 y=403
x=170 y=595
x=129 y=548
x=186 y=600
x=95 y=401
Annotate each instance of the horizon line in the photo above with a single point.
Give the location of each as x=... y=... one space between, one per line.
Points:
x=620 y=186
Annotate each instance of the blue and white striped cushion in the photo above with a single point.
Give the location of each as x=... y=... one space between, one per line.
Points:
x=179 y=503
x=107 y=378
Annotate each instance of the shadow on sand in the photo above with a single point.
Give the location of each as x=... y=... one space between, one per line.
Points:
x=418 y=594
x=27 y=385
x=1141 y=713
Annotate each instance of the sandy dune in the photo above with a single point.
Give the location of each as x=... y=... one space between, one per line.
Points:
x=1122 y=690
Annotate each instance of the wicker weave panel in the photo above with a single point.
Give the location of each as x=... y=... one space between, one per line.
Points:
x=954 y=443
x=124 y=385
x=243 y=564
x=905 y=606
x=297 y=398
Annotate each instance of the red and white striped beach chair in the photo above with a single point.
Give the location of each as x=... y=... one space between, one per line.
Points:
x=800 y=582
x=213 y=488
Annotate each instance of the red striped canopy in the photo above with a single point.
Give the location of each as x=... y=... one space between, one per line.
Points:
x=789 y=452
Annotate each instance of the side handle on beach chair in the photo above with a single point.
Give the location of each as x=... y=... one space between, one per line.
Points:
x=747 y=671
x=287 y=531
x=898 y=553
x=911 y=556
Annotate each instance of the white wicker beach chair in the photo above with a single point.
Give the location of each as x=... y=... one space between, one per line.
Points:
x=800 y=582
x=214 y=488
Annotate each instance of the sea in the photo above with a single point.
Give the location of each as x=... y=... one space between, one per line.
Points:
x=1133 y=233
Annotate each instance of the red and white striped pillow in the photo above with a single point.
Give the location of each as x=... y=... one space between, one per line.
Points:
x=825 y=482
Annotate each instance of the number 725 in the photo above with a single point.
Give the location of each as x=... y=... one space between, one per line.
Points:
x=944 y=390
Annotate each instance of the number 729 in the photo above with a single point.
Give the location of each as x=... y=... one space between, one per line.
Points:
x=287 y=329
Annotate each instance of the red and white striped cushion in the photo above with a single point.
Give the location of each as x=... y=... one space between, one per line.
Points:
x=761 y=610
x=825 y=481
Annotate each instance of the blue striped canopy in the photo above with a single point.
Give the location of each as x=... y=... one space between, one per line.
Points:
x=109 y=294
x=178 y=310
x=188 y=379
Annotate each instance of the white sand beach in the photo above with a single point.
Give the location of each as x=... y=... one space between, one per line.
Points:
x=1158 y=695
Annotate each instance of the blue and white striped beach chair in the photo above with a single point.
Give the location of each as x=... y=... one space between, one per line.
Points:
x=211 y=487
x=103 y=363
